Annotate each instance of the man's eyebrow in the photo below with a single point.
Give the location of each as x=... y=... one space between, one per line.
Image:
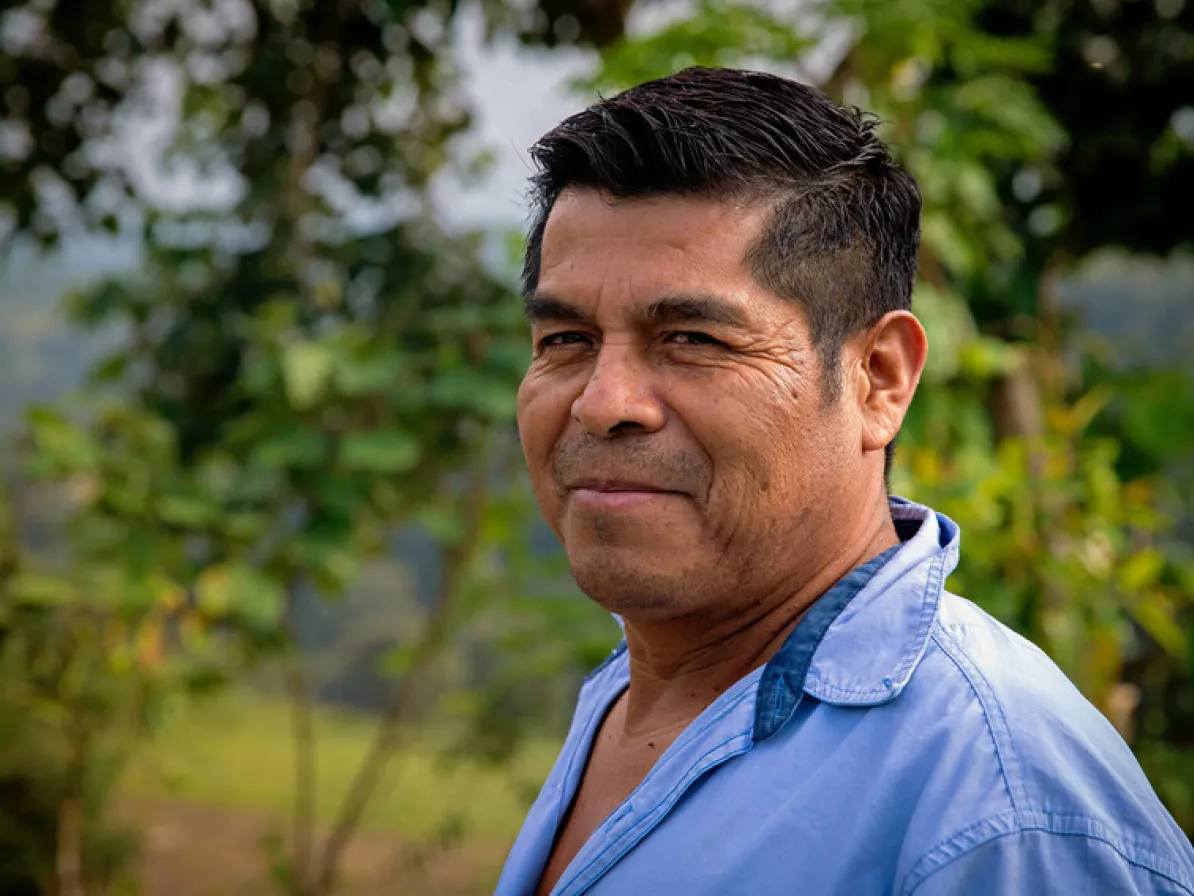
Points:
x=544 y=308
x=686 y=308
x=708 y=309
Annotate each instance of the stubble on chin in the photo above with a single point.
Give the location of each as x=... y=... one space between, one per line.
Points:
x=632 y=588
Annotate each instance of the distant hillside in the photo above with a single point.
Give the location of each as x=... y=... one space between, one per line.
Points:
x=42 y=355
x=1143 y=307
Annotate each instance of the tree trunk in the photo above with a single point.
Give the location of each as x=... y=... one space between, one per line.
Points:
x=68 y=859
x=303 y=733
x=1016 y=410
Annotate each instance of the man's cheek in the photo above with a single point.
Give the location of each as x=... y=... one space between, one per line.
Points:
x=552 y=509
x=542 y=474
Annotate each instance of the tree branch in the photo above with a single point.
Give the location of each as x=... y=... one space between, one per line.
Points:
x=426 y=650
x=68 y=855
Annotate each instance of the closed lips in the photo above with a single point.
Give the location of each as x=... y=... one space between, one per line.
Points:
x=617 y=485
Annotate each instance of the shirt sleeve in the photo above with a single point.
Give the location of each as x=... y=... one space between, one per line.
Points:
x=1042 y=862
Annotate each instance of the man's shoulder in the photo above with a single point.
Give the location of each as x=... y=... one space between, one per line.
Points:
x=1054 y=747
x=1021 y=690
x=1063 y=767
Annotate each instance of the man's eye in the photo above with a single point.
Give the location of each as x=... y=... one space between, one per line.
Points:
x=560 y=339
x=692 y=338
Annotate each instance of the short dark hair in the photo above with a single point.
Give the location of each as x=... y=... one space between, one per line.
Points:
x=844 y=221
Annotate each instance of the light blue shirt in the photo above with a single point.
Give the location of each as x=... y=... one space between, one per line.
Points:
x=901 y=741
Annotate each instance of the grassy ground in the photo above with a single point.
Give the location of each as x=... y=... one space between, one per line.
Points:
x=216 y=783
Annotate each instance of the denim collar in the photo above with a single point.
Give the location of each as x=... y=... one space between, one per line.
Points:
x=782 y=684
x=859 y=644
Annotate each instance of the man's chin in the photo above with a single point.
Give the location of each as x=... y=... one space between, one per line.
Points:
x=643 y=531
x=636 y=587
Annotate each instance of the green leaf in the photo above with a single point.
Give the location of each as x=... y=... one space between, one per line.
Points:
x=472 y=390
x=1141 y=570
x=330 y=556
x=1156 y=616
x=367 y=374
x=306 y=368
x=255 y=597
x=340 y=494
x=299 y=448
x=949 y=325
x=185 y=510
x=388 y=450
x=260 y=374
x=42 y=590
x=66 y=445
x=243 y=525
x=241 y=592
x=336 y=569
x=984 y=358
x=441 y=521
x=396 y=662
x=211 y=592
x=943 y=238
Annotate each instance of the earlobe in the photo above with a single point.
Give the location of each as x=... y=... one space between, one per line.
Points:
x=893 y=358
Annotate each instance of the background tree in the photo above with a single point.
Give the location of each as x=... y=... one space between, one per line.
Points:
x=309 y=360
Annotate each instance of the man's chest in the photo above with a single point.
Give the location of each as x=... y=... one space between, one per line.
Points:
x=826 y=807
x=732 y=832
x=613 y=771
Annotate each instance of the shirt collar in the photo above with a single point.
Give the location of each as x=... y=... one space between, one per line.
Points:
x=852 y=648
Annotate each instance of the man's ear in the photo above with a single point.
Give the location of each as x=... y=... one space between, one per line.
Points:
x=892 y=356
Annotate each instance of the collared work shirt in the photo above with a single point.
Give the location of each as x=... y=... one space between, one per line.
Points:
x=901 y=741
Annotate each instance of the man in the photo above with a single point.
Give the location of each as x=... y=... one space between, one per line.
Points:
x=718 y=280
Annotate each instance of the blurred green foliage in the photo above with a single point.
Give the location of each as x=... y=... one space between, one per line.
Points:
x=308 y=362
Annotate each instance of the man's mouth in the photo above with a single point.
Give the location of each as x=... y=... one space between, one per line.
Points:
x=611 y=494
x=599 y=484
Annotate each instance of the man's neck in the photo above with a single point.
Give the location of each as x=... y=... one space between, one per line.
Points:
x=679 y=667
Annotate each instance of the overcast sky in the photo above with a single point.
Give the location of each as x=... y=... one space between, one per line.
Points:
x=520 y=93
x=517 y=94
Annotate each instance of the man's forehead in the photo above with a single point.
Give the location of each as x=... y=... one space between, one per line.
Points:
x=646 y=252
x=589 y=220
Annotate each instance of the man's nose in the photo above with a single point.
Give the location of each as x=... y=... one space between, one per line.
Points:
x=620 y=396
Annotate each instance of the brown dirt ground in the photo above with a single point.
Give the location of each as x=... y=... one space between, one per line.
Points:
x=189 y=850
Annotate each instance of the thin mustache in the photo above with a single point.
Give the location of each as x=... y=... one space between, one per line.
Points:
x=581 y=464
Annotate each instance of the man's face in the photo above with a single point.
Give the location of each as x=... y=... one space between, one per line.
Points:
x=673 y=417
